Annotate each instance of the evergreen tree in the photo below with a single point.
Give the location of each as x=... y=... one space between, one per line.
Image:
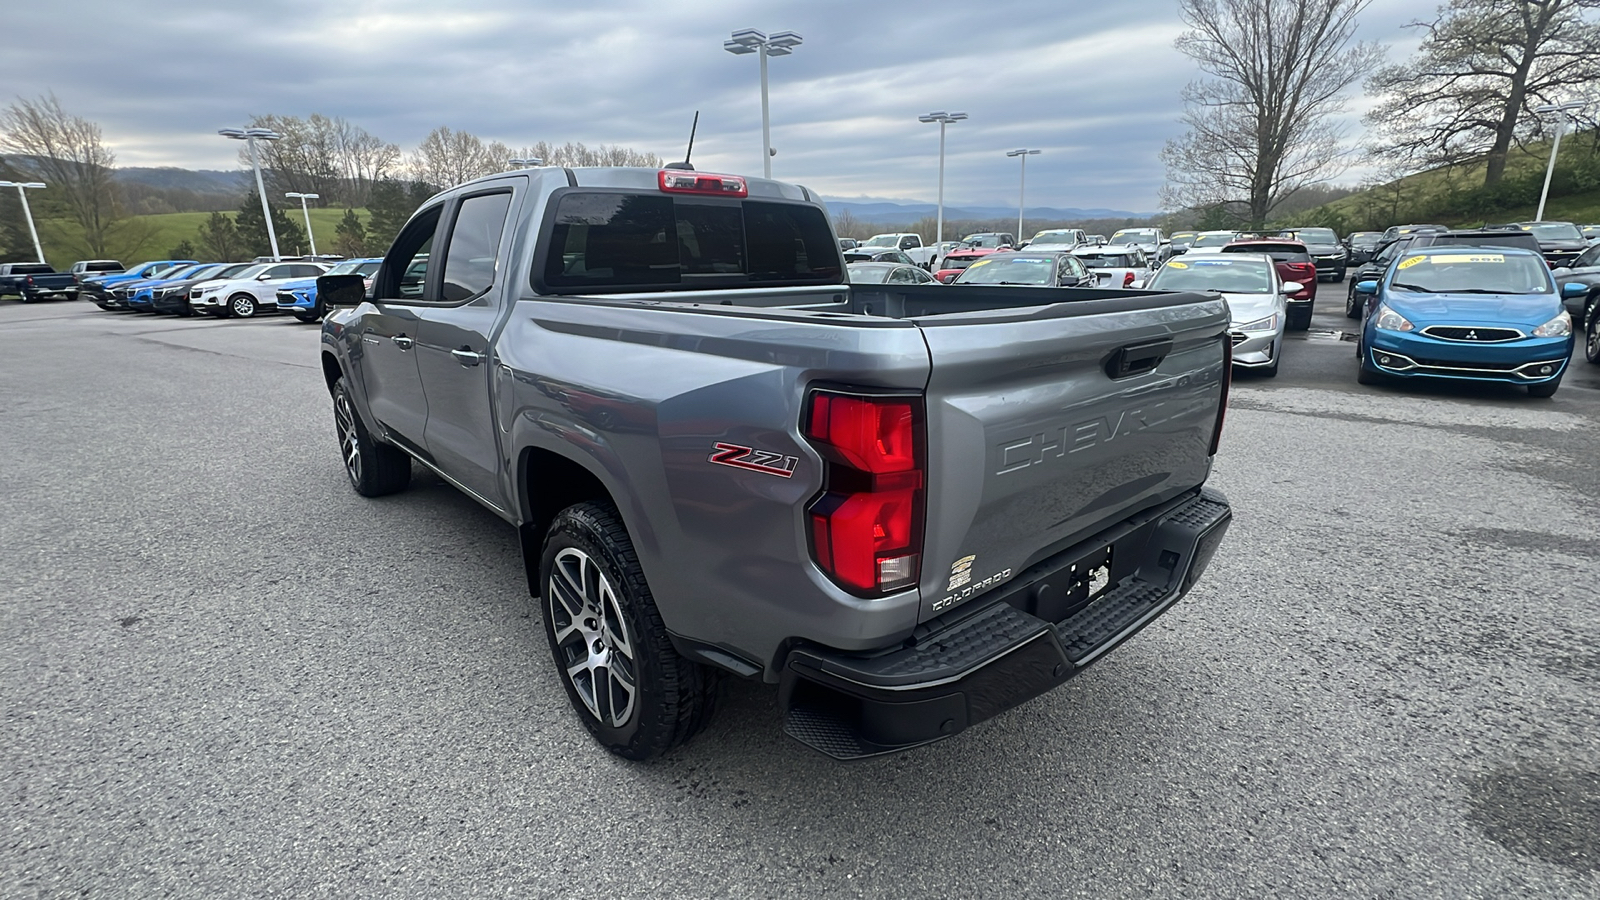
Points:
x=219 y=239
x=350 y=236
x=253 y=230
x=391 y=204
x=184 y=250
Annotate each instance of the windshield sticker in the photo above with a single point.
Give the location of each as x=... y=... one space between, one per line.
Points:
x=979 y=263
x=1408 y=263
x=1469 y=258
x=1177 y=265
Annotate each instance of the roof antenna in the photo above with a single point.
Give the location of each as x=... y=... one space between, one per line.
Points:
x=689 y=152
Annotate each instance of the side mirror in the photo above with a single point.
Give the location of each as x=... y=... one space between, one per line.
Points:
x=341 y=290
x=1292 y=287
x=1366 y=287
x=1574 y=289
x=264 y=276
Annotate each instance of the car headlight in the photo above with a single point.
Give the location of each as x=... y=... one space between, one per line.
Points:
x=1560 y=326
x=1389 y=320
x=1270 y=323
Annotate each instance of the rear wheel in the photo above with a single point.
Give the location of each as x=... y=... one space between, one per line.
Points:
x=375 y=469
x=1591 y=331
x=242 y=305
x=629 y=686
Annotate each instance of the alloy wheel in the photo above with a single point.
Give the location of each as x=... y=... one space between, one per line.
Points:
x=244 y=307
x=1591 y=329
x=344 y=422
x=593 y=644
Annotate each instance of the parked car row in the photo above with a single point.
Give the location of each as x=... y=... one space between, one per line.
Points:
x=227 y=290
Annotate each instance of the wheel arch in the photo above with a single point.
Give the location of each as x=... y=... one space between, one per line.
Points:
x=548 y=482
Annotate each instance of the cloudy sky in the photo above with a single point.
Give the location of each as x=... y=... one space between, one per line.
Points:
x=1094 y=85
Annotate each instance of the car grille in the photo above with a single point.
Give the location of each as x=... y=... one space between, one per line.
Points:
x=1238 y=337
x=1472 y=334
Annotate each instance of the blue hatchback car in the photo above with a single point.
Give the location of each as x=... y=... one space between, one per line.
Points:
x=299 y=298
x=1467 y=313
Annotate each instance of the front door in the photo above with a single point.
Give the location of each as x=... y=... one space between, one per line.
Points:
x=388 y=356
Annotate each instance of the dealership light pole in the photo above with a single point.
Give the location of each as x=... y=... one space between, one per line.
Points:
x=1022 y=186
x=250 y=136
x=943 y=118
x=749 y=40
x=303 y=198
x=1561 y=110
x=22 y=191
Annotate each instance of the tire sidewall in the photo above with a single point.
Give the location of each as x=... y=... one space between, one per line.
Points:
x=249 y=304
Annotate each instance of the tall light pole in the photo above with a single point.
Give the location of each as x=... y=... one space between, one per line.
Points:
x=1022 y=186
x=1561 y=110
x=250 y=136
x=943 y=118
x=22 y=191
x=303 y=198
x=749 y=40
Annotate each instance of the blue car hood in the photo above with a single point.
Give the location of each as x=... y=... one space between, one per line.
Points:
x=1422 y=310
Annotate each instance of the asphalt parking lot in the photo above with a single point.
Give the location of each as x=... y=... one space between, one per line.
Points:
x=224 y=674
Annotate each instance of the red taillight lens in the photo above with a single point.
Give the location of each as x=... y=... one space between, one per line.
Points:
x=680 y=181
x=1127 y=279
x=866 y=528
x=1222 y=401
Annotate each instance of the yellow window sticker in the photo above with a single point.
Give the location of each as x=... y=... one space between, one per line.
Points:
x=980 y=263
x=1177 y=265
x=1408 y=263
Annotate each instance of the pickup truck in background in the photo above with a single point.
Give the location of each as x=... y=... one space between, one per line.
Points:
x=910 y=244
x=910 y=507
x=36 y=281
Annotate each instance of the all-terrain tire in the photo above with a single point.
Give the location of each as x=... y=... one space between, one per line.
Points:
x=600 y=616
x=374 y=468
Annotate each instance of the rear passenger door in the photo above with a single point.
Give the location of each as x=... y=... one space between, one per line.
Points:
x=453 y=343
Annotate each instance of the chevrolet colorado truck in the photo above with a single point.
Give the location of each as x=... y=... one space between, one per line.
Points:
x=35 y=281
x=910 y=507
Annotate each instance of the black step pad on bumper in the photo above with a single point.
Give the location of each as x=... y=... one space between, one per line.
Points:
x=851 y=706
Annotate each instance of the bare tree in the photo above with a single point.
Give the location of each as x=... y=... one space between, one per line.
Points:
x=321 y=155
x=365 y=159
x=446 y=158
x=576 y=154
x=69 y=154
x=1264 y=125
x=1482 y=68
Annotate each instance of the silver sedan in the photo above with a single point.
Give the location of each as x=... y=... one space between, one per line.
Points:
x=1255 y=295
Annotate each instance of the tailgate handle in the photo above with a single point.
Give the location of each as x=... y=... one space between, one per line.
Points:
x=1136 y=359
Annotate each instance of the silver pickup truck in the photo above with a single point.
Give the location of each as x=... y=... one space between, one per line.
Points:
x=909 y=507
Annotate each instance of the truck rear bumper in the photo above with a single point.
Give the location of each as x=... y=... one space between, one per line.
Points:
x=851 y=706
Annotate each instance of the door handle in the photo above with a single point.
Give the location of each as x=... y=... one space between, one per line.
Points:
x=403 y=342
x=467 y=357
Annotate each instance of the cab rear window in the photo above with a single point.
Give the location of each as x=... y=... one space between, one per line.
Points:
x=611 y=240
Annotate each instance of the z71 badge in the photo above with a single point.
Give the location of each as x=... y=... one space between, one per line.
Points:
x=763 y=461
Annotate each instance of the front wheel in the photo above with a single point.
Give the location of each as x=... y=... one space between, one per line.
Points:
x=1352 y=309
x=633 y=691
x=242 y=305
x=374 y=469
x=1591 y=332
x=306 y=318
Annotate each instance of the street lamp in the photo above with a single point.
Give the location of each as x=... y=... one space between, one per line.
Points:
x=1022 y=186
x=250 y=136
x=526 y=162
x=303 y=198
x=1561 y=110
x=943 y=118
x=749 y=40
x=22 y=191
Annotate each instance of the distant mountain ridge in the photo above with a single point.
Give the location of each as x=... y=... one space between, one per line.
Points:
x=880 y=210
x=204 y=181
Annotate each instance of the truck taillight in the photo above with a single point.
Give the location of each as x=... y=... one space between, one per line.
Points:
x=679 y=181
x=866 y=527
x=1222 y=401
x=1127 y=279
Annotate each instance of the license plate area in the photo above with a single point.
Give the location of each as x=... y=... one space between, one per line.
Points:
x=1072 y=587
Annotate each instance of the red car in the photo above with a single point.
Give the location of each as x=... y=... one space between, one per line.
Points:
x=957 y=260
x=1294 y=263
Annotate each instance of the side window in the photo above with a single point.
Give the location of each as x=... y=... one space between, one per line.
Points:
x=907 y=243
x=405 y=269
x=920 y=276
x=281 y=272
x=306 y=271
x=902 y=275
x=473 y=252
x=1591 y=257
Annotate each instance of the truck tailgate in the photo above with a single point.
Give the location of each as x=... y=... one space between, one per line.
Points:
x=1047 y=425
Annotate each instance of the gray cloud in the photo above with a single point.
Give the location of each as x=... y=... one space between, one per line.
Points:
x=1095 y=86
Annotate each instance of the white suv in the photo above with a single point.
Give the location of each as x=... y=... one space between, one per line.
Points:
x=251 y=292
